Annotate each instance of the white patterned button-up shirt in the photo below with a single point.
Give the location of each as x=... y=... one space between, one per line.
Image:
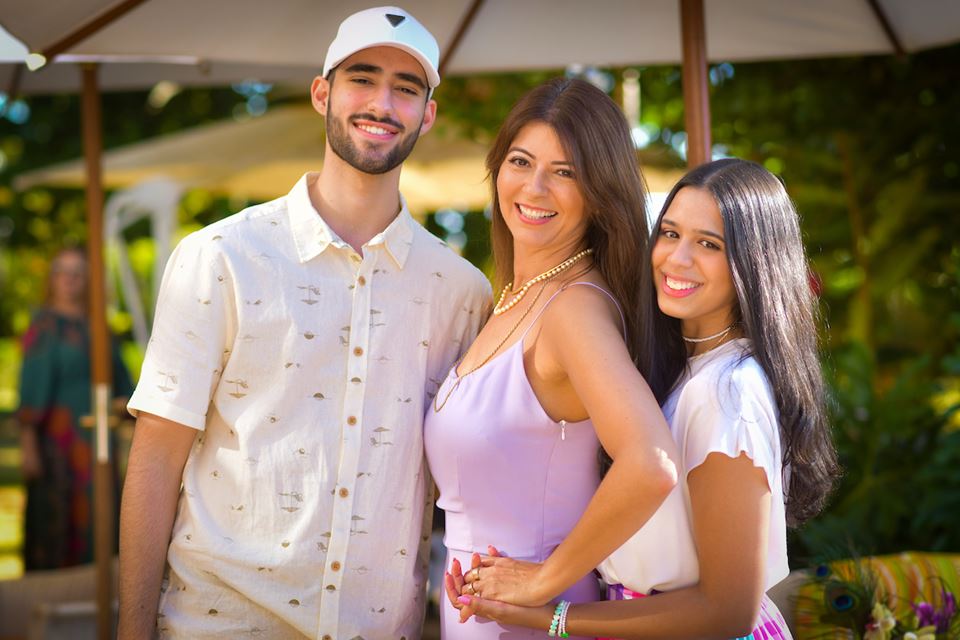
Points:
x=307 y=368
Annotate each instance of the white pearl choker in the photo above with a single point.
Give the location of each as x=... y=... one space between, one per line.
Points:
x=708 y=338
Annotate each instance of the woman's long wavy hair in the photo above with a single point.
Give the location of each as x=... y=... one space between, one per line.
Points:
x=776 y=310
x=596 y=138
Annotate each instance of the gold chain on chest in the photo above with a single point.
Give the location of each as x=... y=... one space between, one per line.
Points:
x=453 y=369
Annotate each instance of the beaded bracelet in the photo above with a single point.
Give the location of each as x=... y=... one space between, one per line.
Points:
x=558 y=626
x=562 y=630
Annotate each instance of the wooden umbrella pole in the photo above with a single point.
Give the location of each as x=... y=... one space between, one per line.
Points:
x=99 y=353
x=465 y=23
x=696 y=97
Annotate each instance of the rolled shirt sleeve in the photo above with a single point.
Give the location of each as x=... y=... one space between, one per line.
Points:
x=192 y=334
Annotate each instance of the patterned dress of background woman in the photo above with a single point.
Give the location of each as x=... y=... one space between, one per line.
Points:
x=54 y=395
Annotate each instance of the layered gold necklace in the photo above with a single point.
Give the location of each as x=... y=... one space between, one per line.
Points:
x=546 y=275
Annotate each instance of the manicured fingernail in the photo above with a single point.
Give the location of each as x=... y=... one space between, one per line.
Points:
x=464 y=599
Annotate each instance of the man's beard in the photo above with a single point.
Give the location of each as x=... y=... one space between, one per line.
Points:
x=343 y=146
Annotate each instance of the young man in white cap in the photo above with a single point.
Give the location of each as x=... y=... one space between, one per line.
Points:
x=295 y=347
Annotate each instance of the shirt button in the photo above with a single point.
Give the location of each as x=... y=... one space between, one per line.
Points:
x=352 y=420
x=361 y=281
x=344 y=492
x=355 y=257
x=327 y=636
x=335 y=565
x=358 y=351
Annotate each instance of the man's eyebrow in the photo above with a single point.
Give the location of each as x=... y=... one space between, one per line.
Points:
x=364 y=67
x=413 y=79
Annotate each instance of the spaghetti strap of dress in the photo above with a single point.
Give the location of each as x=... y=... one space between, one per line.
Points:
x=623 y=319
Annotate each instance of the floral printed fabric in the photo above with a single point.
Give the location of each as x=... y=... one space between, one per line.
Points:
x=54 y=395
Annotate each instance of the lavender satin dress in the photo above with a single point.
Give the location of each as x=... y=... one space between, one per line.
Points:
x=508 y=475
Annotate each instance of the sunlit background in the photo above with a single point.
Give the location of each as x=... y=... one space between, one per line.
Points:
x=869 y=148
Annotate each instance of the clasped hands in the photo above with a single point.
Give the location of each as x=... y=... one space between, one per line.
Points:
x=499 y=588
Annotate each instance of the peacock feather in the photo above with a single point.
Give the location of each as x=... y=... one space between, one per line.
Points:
x=846 y=603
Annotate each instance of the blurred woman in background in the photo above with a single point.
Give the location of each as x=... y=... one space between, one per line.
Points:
x=55 y=393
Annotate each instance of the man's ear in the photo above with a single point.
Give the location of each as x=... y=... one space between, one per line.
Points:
x=429 y=116
x=320 y=94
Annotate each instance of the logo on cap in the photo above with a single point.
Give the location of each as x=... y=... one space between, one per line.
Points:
x=395 y=20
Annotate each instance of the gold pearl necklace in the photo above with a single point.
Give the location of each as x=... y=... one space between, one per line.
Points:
x=546 y=275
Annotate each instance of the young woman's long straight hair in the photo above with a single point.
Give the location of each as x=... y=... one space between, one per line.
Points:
x=776 y=310
x=596 y=138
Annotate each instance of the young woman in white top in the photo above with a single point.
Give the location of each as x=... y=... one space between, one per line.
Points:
x=731 y=354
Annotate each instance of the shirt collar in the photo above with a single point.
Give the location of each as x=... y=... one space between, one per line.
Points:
x=312 y=235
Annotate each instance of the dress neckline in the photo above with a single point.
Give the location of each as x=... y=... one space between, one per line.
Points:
x=456 y=374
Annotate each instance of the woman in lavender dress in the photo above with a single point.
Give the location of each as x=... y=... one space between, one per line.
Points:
x=513 y=434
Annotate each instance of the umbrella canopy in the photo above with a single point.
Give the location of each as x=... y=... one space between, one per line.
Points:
x=286 y=40
x=260 y=158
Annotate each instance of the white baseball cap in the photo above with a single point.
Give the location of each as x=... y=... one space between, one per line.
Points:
x=385 y=27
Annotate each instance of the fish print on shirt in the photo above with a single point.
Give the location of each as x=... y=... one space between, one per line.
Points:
x=312 y=293
x=167 y=380
x=238 y=384
x=379 y=439
x=291 y=501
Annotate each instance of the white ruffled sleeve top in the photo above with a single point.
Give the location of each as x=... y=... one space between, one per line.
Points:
x=723 y=403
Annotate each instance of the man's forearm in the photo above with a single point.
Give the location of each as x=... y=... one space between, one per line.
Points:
x=150 y=495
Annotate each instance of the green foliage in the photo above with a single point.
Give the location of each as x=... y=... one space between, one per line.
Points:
x=869 y=149
x=479 y=104
x=9 y=374
x=900 y=449
x=900 y=488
